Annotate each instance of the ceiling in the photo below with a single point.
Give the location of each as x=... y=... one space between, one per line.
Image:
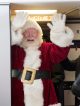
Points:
x=71 y=9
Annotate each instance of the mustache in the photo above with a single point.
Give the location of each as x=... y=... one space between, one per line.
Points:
x=29 y=43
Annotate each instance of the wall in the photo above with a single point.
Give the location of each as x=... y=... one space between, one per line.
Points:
x=69 y=98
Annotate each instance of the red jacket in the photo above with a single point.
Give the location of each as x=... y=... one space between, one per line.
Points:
x=50 y=55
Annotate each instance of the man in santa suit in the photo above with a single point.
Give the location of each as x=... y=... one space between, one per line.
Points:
x=33 y=59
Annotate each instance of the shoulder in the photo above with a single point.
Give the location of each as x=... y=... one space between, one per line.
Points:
x=15 y=49
x=46 y=46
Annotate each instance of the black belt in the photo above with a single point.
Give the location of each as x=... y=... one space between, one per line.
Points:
x=39 y=74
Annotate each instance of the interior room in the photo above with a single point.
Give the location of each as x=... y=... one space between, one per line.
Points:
x=72 y=11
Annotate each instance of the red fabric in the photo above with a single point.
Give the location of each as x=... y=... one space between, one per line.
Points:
x=50 y=55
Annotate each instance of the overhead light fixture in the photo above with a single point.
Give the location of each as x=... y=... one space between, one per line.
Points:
x=43 y=12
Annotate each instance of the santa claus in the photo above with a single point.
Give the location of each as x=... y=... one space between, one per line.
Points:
x=33 y=60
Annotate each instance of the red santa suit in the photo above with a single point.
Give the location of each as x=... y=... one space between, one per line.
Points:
x=43 y=58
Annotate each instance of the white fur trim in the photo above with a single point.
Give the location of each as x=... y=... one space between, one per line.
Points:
x=32 y=58
x=32 y=24
x=62 y=39
x=33 y=94
x=58 y=104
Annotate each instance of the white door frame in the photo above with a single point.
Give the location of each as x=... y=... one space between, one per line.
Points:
x=5 y=65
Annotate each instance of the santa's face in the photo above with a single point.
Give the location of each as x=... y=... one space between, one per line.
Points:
x=30 y=34
x=30 y=38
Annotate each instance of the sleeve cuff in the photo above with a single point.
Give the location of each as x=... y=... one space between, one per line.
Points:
x=62 y=39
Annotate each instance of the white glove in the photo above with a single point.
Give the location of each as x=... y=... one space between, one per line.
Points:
x=58 y=23
x=16 y=37
x=19 y=20
x=59 y=33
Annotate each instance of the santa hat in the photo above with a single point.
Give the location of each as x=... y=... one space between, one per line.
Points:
x=32 y=24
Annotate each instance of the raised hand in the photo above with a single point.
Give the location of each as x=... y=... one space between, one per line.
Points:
x=60 y=34
x=58 y=23
x=19 y=20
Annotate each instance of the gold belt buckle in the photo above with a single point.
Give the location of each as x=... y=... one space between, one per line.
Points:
x=25 y=70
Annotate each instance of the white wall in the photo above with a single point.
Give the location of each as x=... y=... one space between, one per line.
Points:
x=5 y=88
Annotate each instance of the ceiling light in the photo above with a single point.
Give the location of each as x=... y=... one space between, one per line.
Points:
x=38 y=11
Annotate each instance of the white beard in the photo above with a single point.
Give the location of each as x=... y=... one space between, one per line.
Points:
x=25 y=44
x=32 y=58
x=33 y=93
